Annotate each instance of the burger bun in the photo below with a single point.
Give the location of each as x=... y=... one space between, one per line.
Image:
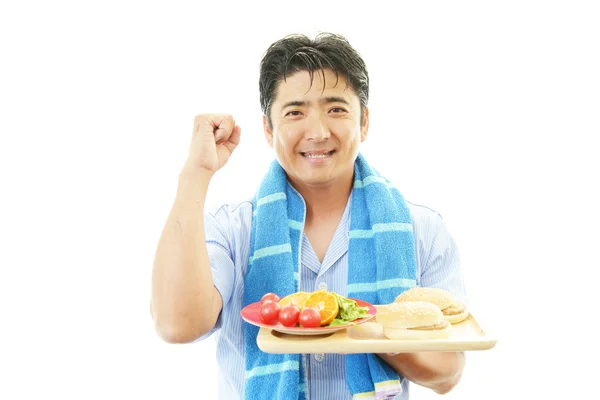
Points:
x=413 y=320
x=454 y=311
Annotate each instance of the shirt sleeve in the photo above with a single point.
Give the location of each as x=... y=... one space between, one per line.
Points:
x=441 y=260
x=220 y=255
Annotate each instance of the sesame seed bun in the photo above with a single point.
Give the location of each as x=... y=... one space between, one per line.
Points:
x=454 y=311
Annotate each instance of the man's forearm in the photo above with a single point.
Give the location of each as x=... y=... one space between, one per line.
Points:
x=435 y=370
x=182 y=289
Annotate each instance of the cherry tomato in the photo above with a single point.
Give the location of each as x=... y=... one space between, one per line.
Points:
x=310 y=317
x=269 y=297
x=269 y=312
x=289 y=315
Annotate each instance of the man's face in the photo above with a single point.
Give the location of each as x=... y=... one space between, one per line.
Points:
x=316 y=133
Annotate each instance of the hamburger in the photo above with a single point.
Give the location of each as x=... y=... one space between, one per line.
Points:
x=454 y=311
x=413 y=320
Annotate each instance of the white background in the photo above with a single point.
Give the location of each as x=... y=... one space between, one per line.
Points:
x=484 y=112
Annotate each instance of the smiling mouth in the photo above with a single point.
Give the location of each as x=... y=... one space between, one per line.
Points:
x=317 y=154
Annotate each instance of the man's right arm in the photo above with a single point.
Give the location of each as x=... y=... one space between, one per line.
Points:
x=185 y=304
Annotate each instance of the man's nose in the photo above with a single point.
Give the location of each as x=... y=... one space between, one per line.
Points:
x=316 y=130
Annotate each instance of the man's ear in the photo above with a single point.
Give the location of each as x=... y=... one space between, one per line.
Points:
x=268 y=131
x=365 y=126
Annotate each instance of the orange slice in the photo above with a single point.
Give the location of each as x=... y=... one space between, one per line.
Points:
x=294 y=298
x=327 y=304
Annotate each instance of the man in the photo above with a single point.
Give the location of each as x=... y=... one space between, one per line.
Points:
x=314 y=98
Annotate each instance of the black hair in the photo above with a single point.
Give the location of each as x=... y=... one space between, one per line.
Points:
x=297 y=52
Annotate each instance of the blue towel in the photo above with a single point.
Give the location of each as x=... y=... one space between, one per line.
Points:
x=381 y=265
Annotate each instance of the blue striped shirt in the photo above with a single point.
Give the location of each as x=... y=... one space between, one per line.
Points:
x=228 y=243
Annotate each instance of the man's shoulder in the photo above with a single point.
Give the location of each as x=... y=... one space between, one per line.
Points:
x=421 y=214
x=232 y=207
x=238 y=211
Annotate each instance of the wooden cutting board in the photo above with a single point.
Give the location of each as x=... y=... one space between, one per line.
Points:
x=368 y=338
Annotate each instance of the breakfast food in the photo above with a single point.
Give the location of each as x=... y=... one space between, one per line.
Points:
x=296 y=299
x=327 y=304
x=413 y=320
x=310 y=309
x=453 y=310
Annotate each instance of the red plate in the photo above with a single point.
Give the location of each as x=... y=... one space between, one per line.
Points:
x=251 y=314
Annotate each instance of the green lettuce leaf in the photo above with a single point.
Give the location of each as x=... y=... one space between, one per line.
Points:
x=349 y=311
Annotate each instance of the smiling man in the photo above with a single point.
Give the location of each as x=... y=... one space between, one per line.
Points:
x=321 y=218
x=314 y=125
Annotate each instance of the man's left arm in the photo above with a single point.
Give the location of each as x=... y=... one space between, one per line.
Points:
x=439 y=267
x=437 y=371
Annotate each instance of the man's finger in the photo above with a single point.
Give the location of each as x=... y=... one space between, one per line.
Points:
x=223 y=127
x=234 y=139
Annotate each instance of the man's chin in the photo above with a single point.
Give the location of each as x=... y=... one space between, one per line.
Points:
x=313 y=180
x=323 y=180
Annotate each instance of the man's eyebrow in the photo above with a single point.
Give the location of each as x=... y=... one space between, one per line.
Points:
x=324 y=100
x=295 y=103
x=334 y=99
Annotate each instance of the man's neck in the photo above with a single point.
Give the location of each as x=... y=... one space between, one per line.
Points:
x=327 y=201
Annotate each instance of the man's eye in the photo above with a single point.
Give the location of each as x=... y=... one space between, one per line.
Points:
x=293 y=113
x=337 y=110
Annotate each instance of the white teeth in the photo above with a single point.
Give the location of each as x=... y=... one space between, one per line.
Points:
x=308 y=155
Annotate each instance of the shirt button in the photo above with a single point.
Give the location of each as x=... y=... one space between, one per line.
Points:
x=322 y=286
x=319 y=357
